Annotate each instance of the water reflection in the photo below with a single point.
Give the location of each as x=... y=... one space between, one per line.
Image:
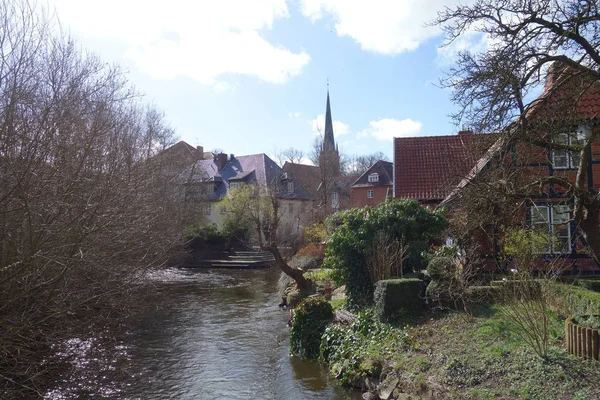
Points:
x=219 y=334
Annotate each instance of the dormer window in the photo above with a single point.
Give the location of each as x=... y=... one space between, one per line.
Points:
x=566 y=159
x=290 y=187
x=374 y=177
x=233 y=185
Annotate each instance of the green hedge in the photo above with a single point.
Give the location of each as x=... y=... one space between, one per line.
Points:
x=590 y=284
x=396 y=295
x=573 y=300
x=483 y=294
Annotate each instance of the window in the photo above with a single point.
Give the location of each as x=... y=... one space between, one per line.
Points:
x=374 y=177
x=290 y=187
x=335 y=200
x=370 y=194
x=223 y=210
x=564 y=159
x=553 y=220
x=210 y=188
x=207 y=209
x=290 y=208
x=233 y=185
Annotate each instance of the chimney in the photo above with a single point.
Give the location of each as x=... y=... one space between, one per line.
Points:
x=220 y=160
x=200 y=152
x=231 y=157
x=552 y=74
x=465 y=131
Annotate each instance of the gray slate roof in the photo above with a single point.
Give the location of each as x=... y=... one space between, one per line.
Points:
x=252 y=169
x=385 y=169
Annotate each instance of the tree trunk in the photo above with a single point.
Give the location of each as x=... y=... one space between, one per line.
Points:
x=295 y=273
x=591 y=228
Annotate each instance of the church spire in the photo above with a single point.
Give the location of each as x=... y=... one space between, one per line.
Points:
x=328 y=140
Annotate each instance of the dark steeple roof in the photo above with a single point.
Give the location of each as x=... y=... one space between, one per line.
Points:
x=328 y=140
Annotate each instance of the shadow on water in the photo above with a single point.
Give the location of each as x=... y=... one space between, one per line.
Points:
x=220 y=334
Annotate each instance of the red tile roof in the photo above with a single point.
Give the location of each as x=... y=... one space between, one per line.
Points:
x=309 y=176
x=428 y=167
x=569 y=97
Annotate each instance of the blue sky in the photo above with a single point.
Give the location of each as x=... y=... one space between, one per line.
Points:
x=250 y=76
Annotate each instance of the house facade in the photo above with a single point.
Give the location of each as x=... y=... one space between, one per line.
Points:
x=561 y=115
x=374 y=186
x=207 y=182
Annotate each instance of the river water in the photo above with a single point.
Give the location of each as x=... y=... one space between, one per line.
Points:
x=219 y=334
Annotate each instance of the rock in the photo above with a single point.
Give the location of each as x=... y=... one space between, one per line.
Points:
x=386 y=388
x=370 y=396
x=339 y=293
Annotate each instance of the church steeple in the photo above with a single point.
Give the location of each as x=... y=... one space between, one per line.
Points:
x=328 y=140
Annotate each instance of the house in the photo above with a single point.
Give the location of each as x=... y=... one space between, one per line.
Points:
x=567 y=112
x=207 y=182
x=374 y=186
x=428 y=168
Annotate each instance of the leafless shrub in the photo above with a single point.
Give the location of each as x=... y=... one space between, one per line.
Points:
x=386 y=258
x=83 y=211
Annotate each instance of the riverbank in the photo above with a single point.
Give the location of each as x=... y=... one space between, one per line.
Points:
x=444 y=356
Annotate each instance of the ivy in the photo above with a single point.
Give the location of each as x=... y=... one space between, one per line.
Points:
x=311 y=317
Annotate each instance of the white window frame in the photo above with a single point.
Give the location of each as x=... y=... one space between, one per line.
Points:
x=210 y=188
x=552 y=211
x=335 y=199
x=233 y=185
x=223 y=210
x=374 y=177
x=571 y=159
x=290 y=187
x=370 y=194
x=207 y=209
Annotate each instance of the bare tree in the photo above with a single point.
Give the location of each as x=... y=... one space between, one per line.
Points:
x=558 y=41
x=291 y=155
x=82 y=214
x=358 y=165
x=259 y=208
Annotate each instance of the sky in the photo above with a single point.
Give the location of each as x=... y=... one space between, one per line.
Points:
x=251 y=77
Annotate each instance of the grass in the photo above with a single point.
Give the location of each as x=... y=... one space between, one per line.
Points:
x=447 y=357
x=319 y=275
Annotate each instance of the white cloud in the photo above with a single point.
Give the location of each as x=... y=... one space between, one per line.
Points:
x=339 y=128
x=202 y=40
x=295 y=114
x=380 y=26
x=388 y=128
x=472 y=41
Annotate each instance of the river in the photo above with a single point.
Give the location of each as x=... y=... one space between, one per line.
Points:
x=219 y=334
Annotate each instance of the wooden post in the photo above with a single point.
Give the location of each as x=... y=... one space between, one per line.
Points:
x=578 y=341
x=595 y=354
x=571 y=343
x=590 y=352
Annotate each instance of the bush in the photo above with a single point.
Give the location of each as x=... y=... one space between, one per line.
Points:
x=312 y=250
x=203 y=235
x=396 y=295
x=315 y=234
x=441 y=268
x=311 y=317
x=589 y=284
x=483 y=294
x=354 y=233
x=573 y=300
